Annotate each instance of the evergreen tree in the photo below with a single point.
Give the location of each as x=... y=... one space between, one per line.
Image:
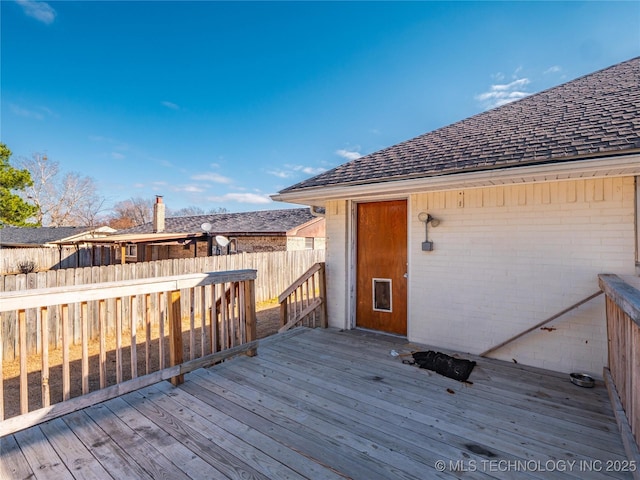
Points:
x=13 y=209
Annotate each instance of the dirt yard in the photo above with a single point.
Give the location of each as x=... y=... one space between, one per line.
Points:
x=268 y=322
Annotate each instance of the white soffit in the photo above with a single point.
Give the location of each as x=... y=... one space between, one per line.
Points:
x=628 y=165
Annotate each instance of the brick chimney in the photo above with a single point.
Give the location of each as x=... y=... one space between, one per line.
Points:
x=158 y=215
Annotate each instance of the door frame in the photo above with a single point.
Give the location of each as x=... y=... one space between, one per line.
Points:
x=352 y=255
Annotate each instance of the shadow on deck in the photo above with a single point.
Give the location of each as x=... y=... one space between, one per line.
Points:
x=327 y=404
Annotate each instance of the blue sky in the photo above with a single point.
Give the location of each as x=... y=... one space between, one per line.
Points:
x=220 y=104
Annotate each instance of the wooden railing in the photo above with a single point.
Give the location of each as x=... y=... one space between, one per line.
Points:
x=304 y=302
x=164 y=328
x=623 y=333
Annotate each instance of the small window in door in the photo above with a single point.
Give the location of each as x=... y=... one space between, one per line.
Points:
x=382 y=294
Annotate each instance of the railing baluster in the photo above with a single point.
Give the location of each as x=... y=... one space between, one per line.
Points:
x=44 y=338
x=203 y=320
x=84 y=319
x=233 y=318
x=24 y=385
x=147 y=327
x=192 y=325
x=66 y=346
x=162 y=305
x=224 y=324
x=134 y=335
x=119 y=340
x=215 y=335
x=242 y=312
x=102 y=325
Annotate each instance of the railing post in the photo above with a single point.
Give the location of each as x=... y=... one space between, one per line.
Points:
x=175 y=335
x=323 y=295
x=250 y=313
x=284 y=312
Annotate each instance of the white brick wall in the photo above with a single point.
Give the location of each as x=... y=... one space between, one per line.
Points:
x=504 y=259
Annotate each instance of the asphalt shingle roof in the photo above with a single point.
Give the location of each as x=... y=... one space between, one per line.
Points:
x=37 y=235
x=593 y=115
x=267 y=222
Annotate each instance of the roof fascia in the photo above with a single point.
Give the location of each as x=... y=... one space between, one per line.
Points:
x=603 y=167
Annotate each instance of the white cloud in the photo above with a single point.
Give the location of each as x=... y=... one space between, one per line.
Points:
x=501 y=94
x=211 y=177
x=348 y=154
x=554 y=69
x=188 y=188
x=241 y=198
x=38 y=113
x=41 y=11
x=280 y=173
x=117 y=156
x=312 y=170
x=290 y=170
x=171 y=105
x=23 y=112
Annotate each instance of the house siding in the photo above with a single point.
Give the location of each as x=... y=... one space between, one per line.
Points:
x=299 y=243
x=506 y=258
x=337 y=265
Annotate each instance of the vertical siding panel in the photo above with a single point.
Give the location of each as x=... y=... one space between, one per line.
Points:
x=451 y=199
x=522 y=195
x=580 y=190
x=500 y=196
x=530 y=196
x=553 y=193
x=572 y=194
x=598 y=189
x=607 y=189
x=537 y=194
x=546 y=193
x=617 y=188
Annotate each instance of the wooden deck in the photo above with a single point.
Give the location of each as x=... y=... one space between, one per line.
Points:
x=323 y=404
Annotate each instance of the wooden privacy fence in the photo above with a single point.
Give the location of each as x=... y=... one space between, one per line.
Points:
x=164 y=328
x=275 y=272
x=623 y=333
x=49 y=258
x=304 y=302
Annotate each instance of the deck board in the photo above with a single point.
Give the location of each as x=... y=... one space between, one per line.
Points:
x=325 y=404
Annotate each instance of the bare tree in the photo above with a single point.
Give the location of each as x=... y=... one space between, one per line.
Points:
x=194 y=210
x=69 y=200
x=132 y=212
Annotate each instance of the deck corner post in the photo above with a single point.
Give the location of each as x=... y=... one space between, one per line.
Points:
x=250 y=314
x=175 y=335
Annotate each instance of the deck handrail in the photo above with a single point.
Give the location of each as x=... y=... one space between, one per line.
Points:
x=623 y=370
x=220 y=305
x=304 y=302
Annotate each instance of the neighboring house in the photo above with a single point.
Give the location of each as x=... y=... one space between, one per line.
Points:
x=531 y=201
x=185 y=237
x=28 y=237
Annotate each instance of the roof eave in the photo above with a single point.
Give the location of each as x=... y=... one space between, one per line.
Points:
x=617 y=165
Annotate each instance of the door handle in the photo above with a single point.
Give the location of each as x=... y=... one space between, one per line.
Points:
x=406 y=275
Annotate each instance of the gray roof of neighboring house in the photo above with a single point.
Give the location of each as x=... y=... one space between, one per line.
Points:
x=266 y=222
x=37 y=235
x=593 y=115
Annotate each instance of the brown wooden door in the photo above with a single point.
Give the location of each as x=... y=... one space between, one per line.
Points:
x=381 y=285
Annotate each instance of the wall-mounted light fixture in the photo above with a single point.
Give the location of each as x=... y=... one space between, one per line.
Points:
x=427 y=246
